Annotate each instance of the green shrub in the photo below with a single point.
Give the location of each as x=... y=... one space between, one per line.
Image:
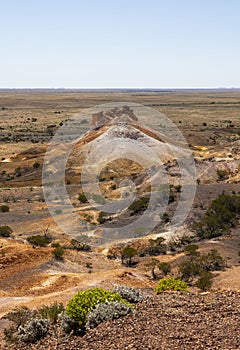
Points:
x=10 y=334
x=164 y=267
x=58 y=253
x=51 y=312
x=56 y=245
x=101 y=218
x=192 y=250
x=213 y=261
x=82 y=198
x=113 y=187
x=170 y=283
x=222 y=174
x=205 y=281
x=139 y=204
x=58 y=211
x=128 y=254
x=178 y=188
x=156 y=247
x=80 y=245
x=39 y=240
x=198 y=265
x=5 y=231
x=165 y=218
x=85 y=301
x=220 y=217
x=36 y=165
x=4 y=208
x=189 y=269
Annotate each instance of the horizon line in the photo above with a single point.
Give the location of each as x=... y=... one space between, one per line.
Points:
x=121 y=88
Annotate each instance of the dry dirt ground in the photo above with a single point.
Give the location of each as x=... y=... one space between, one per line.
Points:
x=209 y=119
x=169 y=321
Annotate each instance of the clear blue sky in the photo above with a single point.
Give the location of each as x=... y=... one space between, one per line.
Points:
x=119 y=43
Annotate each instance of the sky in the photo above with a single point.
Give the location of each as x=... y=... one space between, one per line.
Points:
x=119 y=43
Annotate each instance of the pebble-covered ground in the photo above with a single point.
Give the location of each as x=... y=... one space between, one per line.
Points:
x=168 y=321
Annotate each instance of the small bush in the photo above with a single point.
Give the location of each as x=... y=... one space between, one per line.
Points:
x=56 y=245
x=222 y=174
x=39 y=240
x=4 y=208
x=10 y=334
x=178 y=188
x=101 y=218
x=80 y=246
x=33 y=330
x=82 y=198
x=220 y=217
x=213 y=261
x=108 y=311
x=164 y=267
x=190 y=269
x=139 y=204
x=85 y=301
x=165 y=218
x=170 y=284
x=132 y=295
x=205 y=281
x=128 y=254
x=51 y=312
x=36 y=165
x=68 y=324
x=20 y=316
x=58 y=211
x=156 y=247
x=192 y=250
x=58 y=253
x=5 y=231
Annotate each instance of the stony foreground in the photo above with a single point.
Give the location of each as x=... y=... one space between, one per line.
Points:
x=168 y=321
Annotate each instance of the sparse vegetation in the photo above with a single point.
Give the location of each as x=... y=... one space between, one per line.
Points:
x=39 y=240
x=155 y=247
x=132 y=295
x=33 y=330
x=139 y=204
x=58 y=253
x=105 y=312
x=5 y=231
x=101 y=218
x=82 y=198
x=220 y=217
x=51 y=312
x=80 y=245
x=222 y=174
x=36 y=165
x=197 y=268
x=20 y=316
x=164 y=267
x=84 y=302
x=205 y=281
x=170 y=283
x=4 y=208
x=128 y=254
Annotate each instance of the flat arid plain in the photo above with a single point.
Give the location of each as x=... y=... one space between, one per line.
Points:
x=40 y=264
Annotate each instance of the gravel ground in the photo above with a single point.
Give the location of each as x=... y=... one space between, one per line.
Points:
x=168 y=321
